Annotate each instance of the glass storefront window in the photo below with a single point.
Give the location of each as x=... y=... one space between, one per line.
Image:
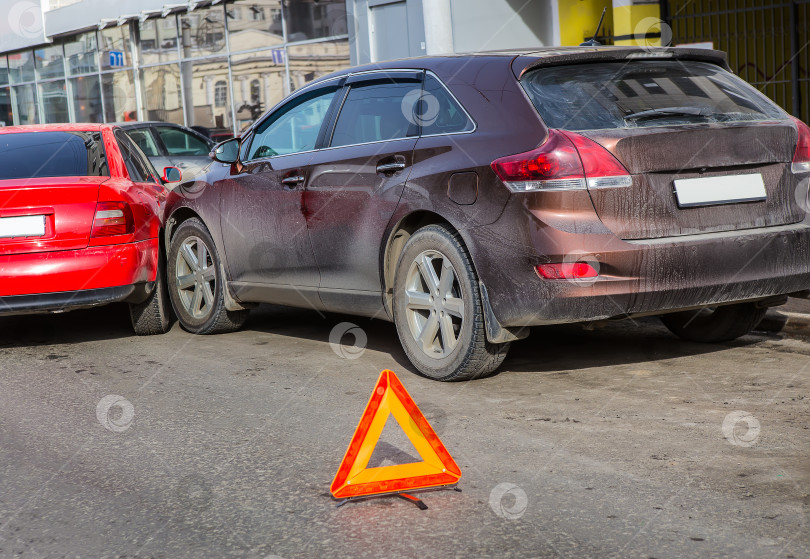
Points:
x=54 y=102
x=313 y=60
x=118 y=89
x=21 y=66
x=158 y=40
x=202 y=32
x=161 y=93
x=258 y=83
x=3 y=71
x=6 y=111
x=81 y=52
x=85 y=94
x=49 y=62
x=307 y=19
x=207 y=94
x=24 y=100
x=114 y=48
x=254 y=24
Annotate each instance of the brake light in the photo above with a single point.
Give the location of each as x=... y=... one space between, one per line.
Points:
x=112 y=218
x=801 y=158
x=567 y=270
x=565 y=161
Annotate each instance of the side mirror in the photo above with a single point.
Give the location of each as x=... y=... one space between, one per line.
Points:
x=172 y=174
x=226 y=152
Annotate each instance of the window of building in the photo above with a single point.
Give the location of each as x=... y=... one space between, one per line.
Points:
x=54 y=99
x=3 y=70
x=313 y=60
x=114 y=47
x=255 y=91
x=6 y=107
x=373 y=113
x=220 y=93
x=49 y=62
x=21 y=66
x=119 y=101
x=310 y=20
x=85 y=94
x=24 y=99
x=81 y=52
x=294 y=128
x=158 y=40
x=160 y=91
x=252 y=29
x=203 y=31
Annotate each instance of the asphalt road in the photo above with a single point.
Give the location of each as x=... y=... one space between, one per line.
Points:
x=617 y=442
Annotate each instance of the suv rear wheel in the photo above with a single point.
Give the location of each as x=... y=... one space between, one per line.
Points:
x=437 y=309
x=714 y=324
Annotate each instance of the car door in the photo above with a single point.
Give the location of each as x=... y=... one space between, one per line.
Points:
x=185 y=150
x=145 y=140
x=262 y=220
x=355 y=184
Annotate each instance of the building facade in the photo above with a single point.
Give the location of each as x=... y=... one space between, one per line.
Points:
x=217 y=65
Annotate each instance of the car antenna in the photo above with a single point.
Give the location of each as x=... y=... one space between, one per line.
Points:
x=592 y=42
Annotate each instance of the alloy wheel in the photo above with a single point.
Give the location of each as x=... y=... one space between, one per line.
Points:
x=435 y=304
x=195 y=277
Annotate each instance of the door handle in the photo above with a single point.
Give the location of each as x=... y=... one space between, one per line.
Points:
x=390 y=167
x=294 y=180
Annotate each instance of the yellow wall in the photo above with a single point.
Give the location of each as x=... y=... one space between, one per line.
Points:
x=638 y=19
x=579 y=18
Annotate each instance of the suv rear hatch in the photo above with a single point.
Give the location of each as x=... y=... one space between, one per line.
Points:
x=49 y=184
x=707 y=151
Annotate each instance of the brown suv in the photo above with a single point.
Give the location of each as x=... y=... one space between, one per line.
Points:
x=469 y=197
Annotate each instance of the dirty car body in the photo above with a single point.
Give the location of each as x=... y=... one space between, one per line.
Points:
x=581 y=183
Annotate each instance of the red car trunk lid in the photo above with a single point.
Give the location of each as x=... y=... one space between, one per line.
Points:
x=67 y=206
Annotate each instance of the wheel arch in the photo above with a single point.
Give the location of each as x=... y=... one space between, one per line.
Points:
x=398 y=237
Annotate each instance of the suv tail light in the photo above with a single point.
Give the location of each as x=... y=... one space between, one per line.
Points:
x=801 y=159
x=112 y=218
x=565 y=161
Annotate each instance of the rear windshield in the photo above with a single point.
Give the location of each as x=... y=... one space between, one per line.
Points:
x=52 y=154
x=643 y=93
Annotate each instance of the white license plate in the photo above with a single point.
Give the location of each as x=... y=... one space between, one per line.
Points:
x=710 y=191
x=22 y=226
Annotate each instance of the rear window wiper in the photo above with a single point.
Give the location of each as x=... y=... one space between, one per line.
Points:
x=669 y=111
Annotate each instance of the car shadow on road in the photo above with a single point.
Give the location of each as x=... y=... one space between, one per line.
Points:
x=547 y=349
x=103 y=323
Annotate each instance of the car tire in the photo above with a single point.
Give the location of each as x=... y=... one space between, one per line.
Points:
x=154 y=315
x=720 y=324
x=199 y=305
x=443 y=334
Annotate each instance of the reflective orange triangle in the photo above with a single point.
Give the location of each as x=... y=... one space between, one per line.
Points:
x=355 y=479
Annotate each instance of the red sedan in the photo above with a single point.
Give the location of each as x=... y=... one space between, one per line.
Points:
x=80 y=222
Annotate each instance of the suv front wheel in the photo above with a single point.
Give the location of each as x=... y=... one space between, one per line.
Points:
x=437 y=309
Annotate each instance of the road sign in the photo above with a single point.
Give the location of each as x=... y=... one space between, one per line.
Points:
x=355 y=479
x=116 y=58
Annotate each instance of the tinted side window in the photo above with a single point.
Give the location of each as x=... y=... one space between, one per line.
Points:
x=377 y=111
x=140 y=170
x=144 y=140
x=178 y=142
x=439 y=112
x=294 y=127
x=52 y=154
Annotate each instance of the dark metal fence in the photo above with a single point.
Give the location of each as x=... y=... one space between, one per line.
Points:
x=767 y=41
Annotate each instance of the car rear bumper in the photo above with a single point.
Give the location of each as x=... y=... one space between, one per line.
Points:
x=647 y=277
x=72 y=271
x=73 y=300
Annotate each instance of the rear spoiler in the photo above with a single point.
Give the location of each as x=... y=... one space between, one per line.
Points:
x=579 y=55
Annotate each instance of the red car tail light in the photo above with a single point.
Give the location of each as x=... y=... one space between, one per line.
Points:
x=801 y=159
x=567 y=270
x=565 y=161
x=112 y=218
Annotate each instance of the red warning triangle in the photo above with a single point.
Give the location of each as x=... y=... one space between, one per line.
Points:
x=355 y=479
